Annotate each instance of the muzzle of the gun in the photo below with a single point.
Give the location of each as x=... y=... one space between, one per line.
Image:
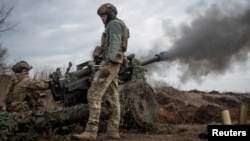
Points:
x=162 y=56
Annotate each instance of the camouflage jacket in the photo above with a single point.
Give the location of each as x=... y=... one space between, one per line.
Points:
x=114 y=40
x=22 y=87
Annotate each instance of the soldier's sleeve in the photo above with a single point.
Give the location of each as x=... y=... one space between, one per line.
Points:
x=37 y=84
x=115 y=33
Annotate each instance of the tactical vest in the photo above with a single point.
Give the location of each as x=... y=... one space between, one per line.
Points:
x=13 y=96
x=119 y=55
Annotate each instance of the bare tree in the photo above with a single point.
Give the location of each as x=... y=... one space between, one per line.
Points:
x=4 y=26
x=4 y=14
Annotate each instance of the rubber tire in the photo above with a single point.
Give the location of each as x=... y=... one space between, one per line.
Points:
x=138 y=103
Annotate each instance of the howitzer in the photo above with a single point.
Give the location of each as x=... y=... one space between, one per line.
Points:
x=136 y=96
x=67 y=87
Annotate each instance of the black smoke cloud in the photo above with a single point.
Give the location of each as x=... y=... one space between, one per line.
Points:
x=212 y=42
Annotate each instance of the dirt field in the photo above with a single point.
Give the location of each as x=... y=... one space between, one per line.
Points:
x=187 y=133
x=189 y=113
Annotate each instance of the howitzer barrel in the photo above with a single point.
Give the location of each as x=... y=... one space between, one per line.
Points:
x=158 y=57
x=85 y=71
x=81 y=73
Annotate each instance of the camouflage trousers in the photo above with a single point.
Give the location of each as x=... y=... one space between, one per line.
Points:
x=105 y=83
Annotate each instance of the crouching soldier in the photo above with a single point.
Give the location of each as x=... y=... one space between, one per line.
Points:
x=21 y=94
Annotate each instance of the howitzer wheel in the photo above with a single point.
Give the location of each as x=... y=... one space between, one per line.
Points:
x=138 y=104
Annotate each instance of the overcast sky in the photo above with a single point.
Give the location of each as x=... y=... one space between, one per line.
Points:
x=54 y=32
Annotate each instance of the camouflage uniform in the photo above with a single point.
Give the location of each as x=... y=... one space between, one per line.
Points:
x=105 y=82
x=22 y=94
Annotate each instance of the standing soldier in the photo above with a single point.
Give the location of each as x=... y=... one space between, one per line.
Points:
x=21 y=95
x=110 y=55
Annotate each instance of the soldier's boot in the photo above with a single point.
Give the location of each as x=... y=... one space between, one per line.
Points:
x=86 y=135
x=111 y=135
x=90 y=133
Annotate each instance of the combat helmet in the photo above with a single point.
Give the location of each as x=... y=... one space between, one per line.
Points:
x=21 y=65
x=109 y=9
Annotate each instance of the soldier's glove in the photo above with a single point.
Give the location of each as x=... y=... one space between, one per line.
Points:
x=97 y=53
